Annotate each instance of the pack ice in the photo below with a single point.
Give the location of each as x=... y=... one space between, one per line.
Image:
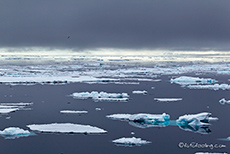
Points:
x=224 y=101
x=130 y=141
x=143 y=120
x=187 y=80
x=65 y=128
x=15 y=132
x=196 y=122
x=102 y=96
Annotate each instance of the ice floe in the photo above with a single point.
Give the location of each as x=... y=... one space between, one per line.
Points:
x=65 y=128
x=143 y=120
x=211 y=87
x=98 y=109
x=130 y=141
x=224 y=101
x=72 y=111
x=167 y=99
x=211 y=153
x=6 y=108
x=102 y=96
x=187 y=80
x=15 y=132
x=144 y=92
x=196 y=122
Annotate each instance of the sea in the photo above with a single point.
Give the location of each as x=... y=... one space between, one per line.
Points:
x=48 y=82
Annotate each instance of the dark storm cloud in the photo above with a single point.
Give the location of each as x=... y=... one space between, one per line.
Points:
x=167 y=24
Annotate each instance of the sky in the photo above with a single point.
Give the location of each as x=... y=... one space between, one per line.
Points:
x=116 y=24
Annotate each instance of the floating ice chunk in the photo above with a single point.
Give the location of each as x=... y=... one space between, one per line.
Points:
x=186 y=80
x=71 y=111
x=196 y=122
x=210 y=153
x=11 y=107
x=16 y=104
x=131 y=83
x=65 y=128
x=223 y=101
x=140 y=92
x=143 y=120
x=133 y=141
x=201 y=119
x=15 y=132
x=98 y=109
x=119 y=116
x=102 y=96
x=212 y=87
x=5 y=111
x=167 y=99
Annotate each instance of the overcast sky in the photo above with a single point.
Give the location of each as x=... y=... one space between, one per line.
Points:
x=123 y=24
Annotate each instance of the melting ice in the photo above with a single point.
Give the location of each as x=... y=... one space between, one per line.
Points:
x=6 y=108
x=143 y=120
x=224 y=101
x=187 y=80
x=167 y=99
x=211 y=87
x=102 y=96
x=72 y=111
x=196 y=122
x=132 y=141
x=144 y=92
x=65 y=128
x=15 y=132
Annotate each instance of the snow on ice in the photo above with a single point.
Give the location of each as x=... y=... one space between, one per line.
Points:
x=211 y=87
x=72 y=111
x=196 y=122
x=167 y=99
x=143 y=120
x=144 y=92
x=102 y=96
x=187 y=80
x=15 y=132
x=6 y=108
x=65 y=128
x=132 y=141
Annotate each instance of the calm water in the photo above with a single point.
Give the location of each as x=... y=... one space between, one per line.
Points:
x=49 y=100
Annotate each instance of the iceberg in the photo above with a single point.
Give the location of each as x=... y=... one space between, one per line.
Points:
x=71 y=111
x=132 y=141
x=211 y=87
x=187 y=80
x=196 y=122
x=167 y=99
x=224 y=101
x=65 y=128
x=144 y=92
x=102 y=96
x=143 y=120
x=15 y=132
